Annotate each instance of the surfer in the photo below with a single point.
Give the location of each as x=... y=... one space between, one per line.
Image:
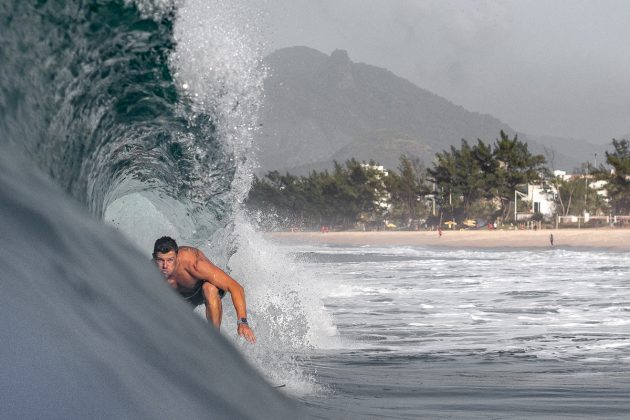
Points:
x=191 y=273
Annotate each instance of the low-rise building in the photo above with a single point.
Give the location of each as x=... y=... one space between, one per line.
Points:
x=541 y=198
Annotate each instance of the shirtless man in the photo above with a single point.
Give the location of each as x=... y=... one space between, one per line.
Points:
x=192 y=274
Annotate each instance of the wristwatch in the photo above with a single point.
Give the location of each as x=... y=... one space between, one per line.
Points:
x=241 y=321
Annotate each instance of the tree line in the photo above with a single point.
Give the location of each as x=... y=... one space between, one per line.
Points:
x=351 y=193
x=468 y=182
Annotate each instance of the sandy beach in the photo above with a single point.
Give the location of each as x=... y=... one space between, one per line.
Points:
x=608 y=239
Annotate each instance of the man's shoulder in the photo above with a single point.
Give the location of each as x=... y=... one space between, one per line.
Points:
x=188 y=249
x=187 y=254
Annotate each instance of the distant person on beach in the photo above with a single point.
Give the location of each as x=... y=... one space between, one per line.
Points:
x=551 y=239
x=439 y=232
x=191 y=273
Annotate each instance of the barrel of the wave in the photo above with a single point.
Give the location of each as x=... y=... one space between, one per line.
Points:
x=88 y=328
x=89 y=94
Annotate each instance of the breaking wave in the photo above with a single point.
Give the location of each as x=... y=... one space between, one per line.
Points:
x=145 y=113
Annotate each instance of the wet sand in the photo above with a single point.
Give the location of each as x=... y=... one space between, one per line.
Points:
x=607 y=239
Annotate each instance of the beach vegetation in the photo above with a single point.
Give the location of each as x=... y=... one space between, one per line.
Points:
x=480 y=182
x=407 y=189
x=490 y=173
x=618 y=178
x=349 y=193
x=574 y=195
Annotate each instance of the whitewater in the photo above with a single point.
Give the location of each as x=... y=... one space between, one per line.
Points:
x=122 y=121
x=443 y=333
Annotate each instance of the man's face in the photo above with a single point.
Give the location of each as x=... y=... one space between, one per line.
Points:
x=166 y=262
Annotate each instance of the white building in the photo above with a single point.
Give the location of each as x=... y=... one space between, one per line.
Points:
x=542 y=199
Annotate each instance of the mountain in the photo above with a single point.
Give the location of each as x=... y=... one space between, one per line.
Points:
x=320 y=108
x=386 y=145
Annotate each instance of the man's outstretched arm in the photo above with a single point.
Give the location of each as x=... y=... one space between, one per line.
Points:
x=203 y=269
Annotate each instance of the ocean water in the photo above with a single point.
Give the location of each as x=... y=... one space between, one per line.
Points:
x=122 y=121
x=434 y=333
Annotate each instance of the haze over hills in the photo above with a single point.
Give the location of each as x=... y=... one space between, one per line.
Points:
x=321 y=108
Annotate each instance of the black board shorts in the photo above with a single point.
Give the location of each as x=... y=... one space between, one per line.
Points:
x=195 y=298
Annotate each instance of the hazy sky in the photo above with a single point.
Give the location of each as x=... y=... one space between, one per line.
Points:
x=551 y=67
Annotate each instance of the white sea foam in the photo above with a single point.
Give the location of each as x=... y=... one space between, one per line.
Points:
x=546 y=312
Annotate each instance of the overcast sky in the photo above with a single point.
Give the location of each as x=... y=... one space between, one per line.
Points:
x=549 y=67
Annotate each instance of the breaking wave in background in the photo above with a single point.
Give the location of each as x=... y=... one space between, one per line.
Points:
x=145 y=113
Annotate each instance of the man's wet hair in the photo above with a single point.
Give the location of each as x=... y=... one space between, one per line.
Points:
x=164 y=245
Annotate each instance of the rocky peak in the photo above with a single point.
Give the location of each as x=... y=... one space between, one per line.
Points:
x=339 y=69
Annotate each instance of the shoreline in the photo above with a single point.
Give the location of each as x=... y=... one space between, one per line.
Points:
x=594 y=238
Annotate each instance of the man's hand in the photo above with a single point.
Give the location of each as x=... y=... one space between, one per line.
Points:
x=246 y=332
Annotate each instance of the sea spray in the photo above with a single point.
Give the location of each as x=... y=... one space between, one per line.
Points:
x=284 y=301
x=218 y=64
